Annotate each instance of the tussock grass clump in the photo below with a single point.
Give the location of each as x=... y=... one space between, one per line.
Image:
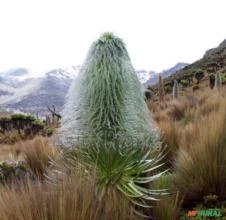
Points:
x=73 y=198
x=178 y=123
x=38 y=153
x=201 y=169
x=178 y=109
x=211 y=104
x=11 y=137
x=171 y=138
x=193 y=131
x=168 y=208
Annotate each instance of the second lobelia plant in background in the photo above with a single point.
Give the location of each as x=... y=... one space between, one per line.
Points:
x=106 y=121
x=217 y=81
x=175 y=90
x=161 y=89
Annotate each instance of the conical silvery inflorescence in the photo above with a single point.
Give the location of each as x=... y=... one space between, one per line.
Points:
x=106 y=98
x=175 y=90
x=217 y=81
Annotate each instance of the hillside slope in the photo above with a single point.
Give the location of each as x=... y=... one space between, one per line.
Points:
x=166 y=73
x=188 y=77
x=213 y=60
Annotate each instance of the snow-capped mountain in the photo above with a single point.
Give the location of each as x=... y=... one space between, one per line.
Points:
x=14 y=76
x=23 y=91
x=144 y=75
x=68 y=73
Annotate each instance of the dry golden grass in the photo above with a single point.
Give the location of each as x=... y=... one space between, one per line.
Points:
x=168 y=208
x=201 y=168
x=72 y=199
x=7 y=153
x=193 y=129
x=11 y=137
x=63 y=197
x=38 y=153
x=68 y=198
x=178 y=121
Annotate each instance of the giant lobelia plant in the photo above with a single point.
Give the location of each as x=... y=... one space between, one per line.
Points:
x=106 y=118
x=106 y=98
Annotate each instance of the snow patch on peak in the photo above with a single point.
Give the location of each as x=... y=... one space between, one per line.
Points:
x=68 y=73
x=144 y=75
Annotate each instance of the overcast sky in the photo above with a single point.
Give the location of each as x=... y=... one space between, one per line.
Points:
x=46 y=34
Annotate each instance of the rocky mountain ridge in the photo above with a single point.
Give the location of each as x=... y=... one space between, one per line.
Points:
x=23 y=91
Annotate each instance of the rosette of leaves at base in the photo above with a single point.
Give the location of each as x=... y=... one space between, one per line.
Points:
x=126 y=166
